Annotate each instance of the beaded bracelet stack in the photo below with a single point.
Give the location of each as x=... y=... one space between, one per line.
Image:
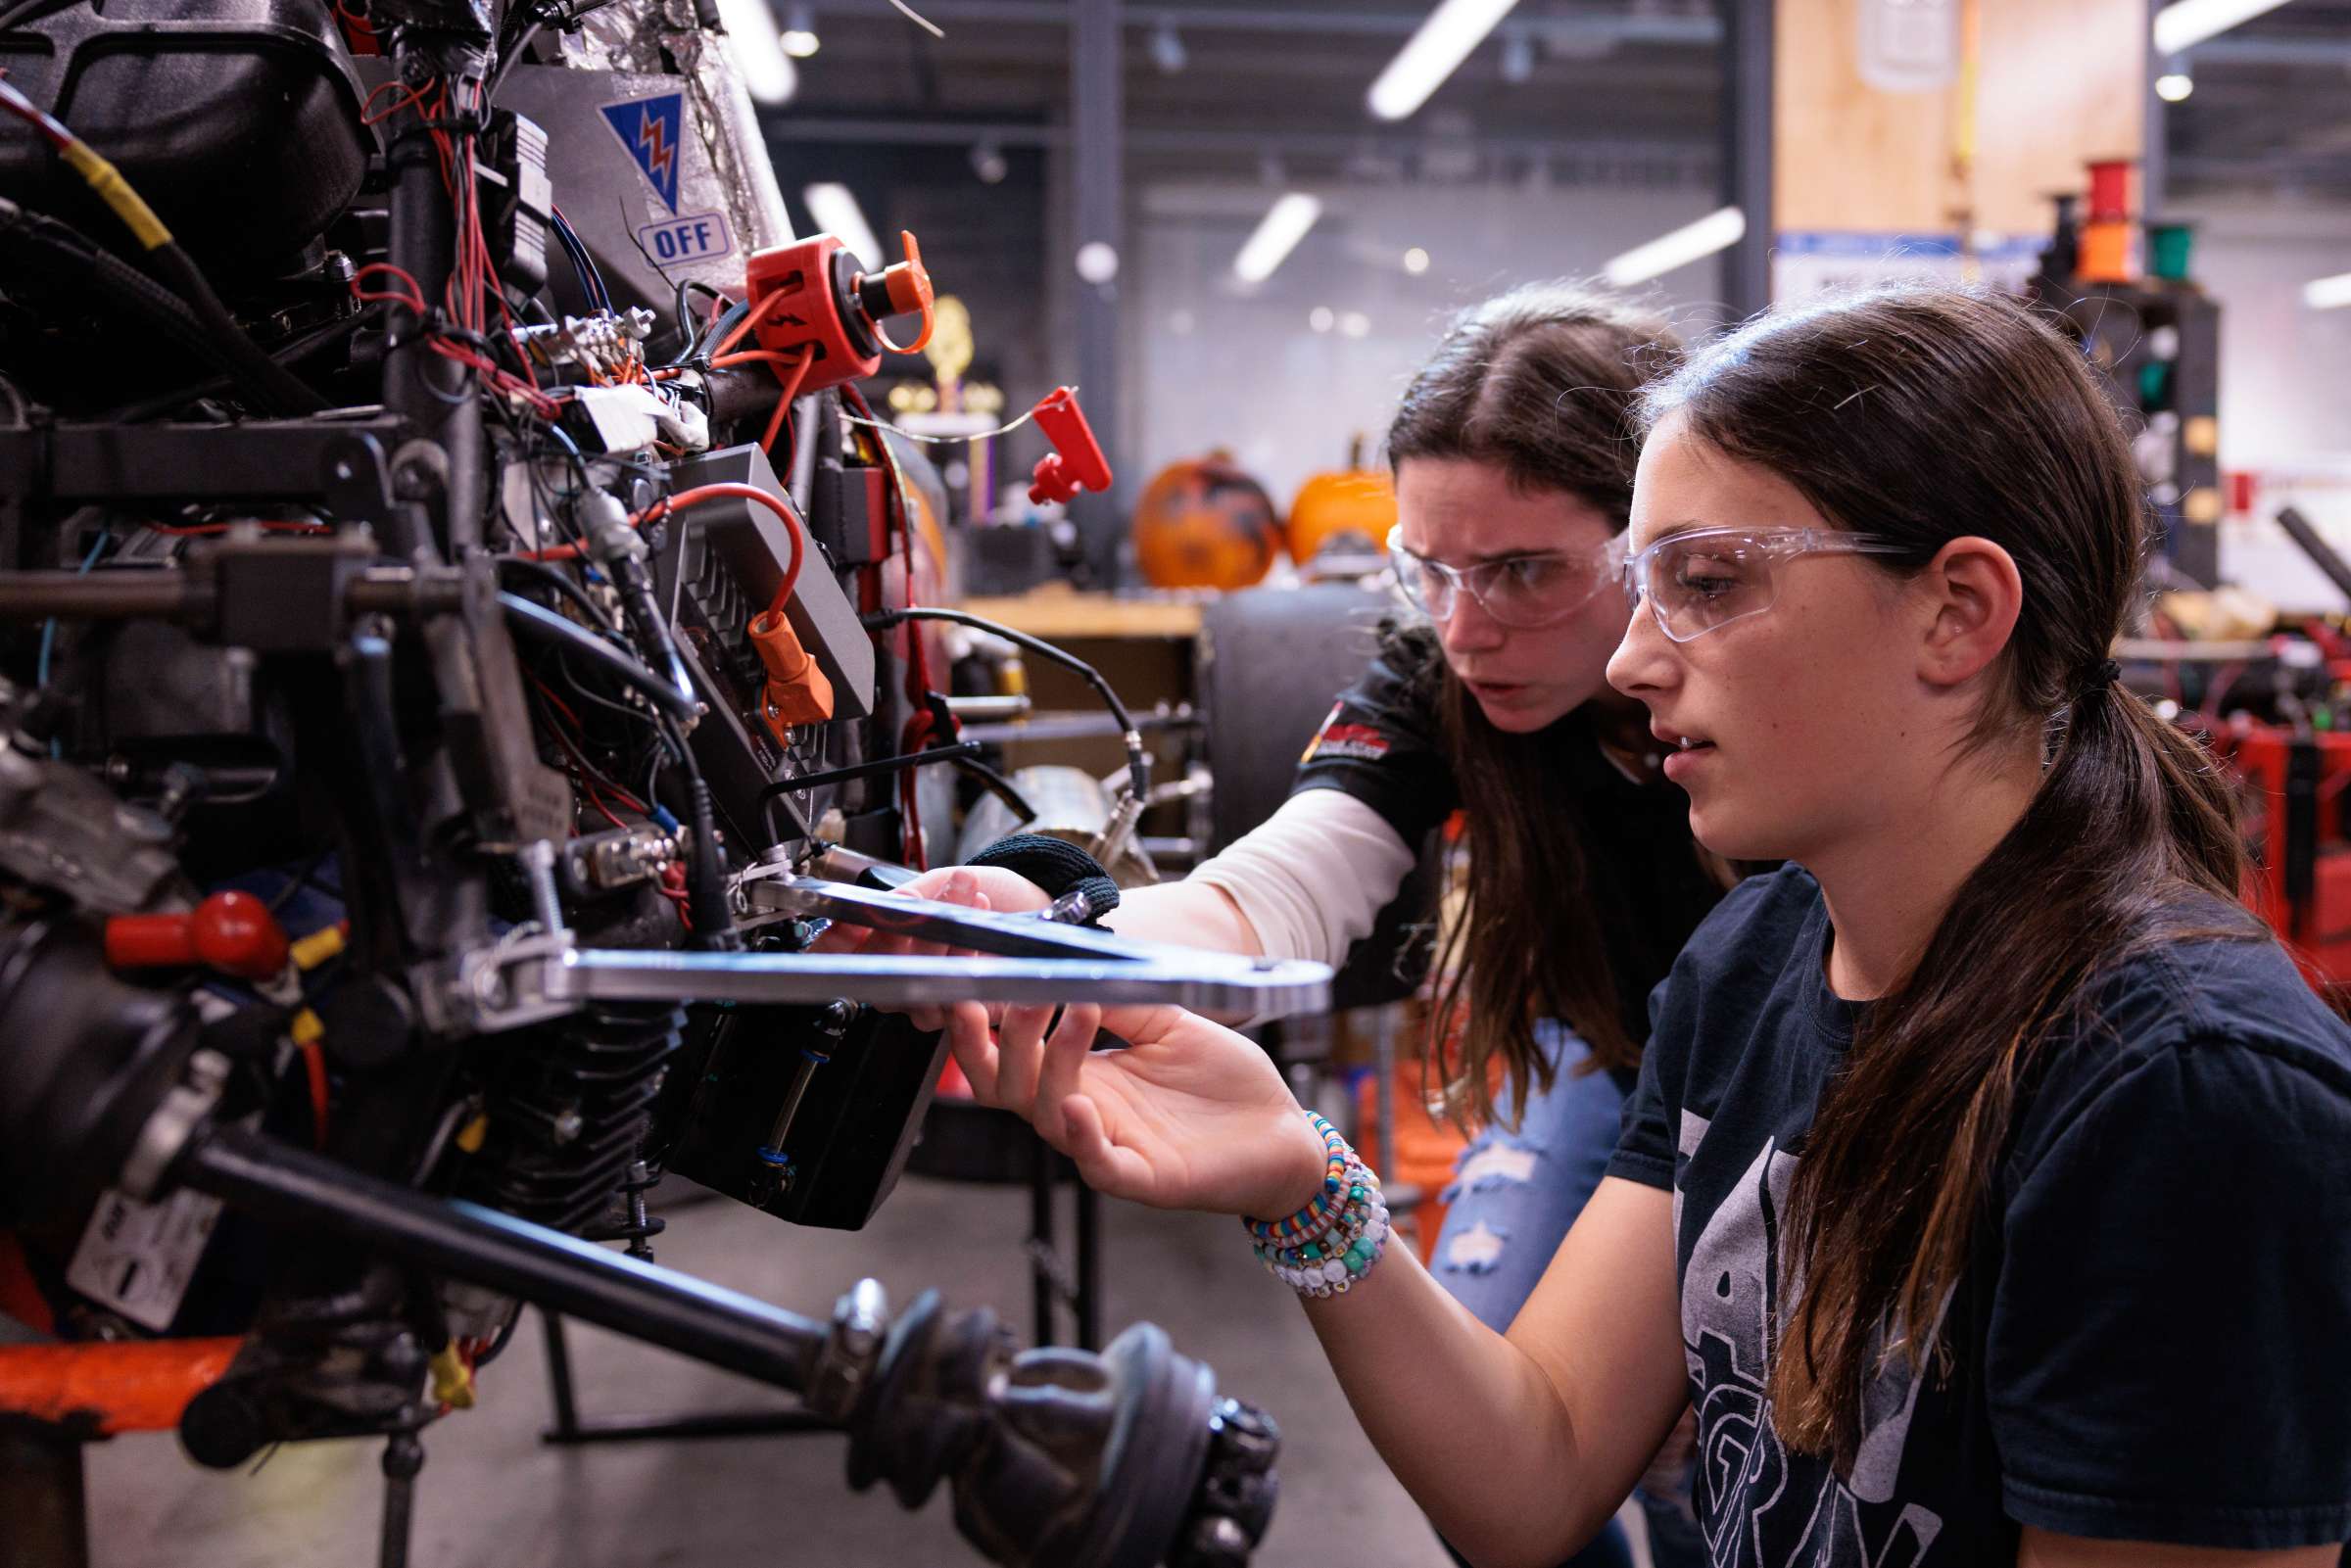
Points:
x=1324 y=1248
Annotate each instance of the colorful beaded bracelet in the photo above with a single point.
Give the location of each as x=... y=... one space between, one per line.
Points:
x=1323 y=1207
x=1333 y=1242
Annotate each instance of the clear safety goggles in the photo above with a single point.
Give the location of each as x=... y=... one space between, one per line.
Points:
x=1518 y=591
x=1702 y=579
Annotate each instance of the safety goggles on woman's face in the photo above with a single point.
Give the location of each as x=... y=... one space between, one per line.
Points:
x=1702 y=580
x=1518 y=591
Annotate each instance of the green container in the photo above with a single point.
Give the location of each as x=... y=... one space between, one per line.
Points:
x=2168 y=248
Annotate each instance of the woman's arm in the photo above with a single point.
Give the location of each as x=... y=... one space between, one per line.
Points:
x=1521 y=1448
x=1518 y=1447
x=1305 y=883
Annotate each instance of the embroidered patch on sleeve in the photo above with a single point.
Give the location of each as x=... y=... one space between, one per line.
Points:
x=1336 y=739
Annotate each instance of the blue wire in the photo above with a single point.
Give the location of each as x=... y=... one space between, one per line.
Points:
x=40 y=675
x=581 y=262
x=49 y=636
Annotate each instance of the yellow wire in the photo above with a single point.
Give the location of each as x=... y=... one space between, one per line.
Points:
x=113 y=190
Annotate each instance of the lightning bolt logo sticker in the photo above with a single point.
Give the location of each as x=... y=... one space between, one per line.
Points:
x=651 y=130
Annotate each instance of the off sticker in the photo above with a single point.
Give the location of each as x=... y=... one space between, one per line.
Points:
x=685 y=239
x=1336 y=739
x=137 y=1257
x=652 y=130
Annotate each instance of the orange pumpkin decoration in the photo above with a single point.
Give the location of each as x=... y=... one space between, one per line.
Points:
x=1354 y=502
x=1205 y=524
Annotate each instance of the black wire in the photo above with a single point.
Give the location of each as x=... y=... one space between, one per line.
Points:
x=995 y=784
x=688 y=322
x=538 y=624
x=1138 y=764
x=509 y=55
x=580 y=688
x=541 y=573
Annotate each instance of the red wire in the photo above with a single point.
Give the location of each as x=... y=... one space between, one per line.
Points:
x=206 y=530
x=314 y=1060
x=751 y=319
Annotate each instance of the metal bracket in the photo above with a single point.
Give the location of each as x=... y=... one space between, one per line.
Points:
x=532 y=975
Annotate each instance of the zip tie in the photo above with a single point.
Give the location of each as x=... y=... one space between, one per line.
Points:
x=919 y=19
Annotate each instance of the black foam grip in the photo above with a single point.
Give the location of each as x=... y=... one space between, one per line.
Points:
x=1055 y=865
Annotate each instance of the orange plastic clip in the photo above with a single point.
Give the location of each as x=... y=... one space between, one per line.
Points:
x=798 y=691
x=908 y=285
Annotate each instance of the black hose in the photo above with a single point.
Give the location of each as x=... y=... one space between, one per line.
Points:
x=1138 y=762
x=156 y=307
x=284 y=390
x=538 y=624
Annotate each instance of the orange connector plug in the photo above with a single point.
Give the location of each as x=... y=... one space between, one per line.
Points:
x=798 y=691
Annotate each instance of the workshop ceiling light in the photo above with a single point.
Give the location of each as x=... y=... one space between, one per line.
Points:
x=1719 y=230
x=2174 y=85
x=1429 y=56
x=2328 y=294
x=838 y=213
x=1415 y=261
x=1321 y=318
x=799 y=33
x=767 y=72
x=2185 y=24
x=1278 y=233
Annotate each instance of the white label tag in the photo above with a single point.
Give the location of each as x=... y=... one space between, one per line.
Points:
x=686 y=239
x=137 y=1257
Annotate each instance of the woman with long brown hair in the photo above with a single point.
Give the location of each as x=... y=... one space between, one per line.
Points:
x=1513 y=454
x=1986 y=1190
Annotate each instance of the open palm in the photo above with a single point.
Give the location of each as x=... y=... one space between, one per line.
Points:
x=1186 y=1115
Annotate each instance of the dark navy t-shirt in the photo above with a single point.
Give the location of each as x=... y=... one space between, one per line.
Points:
x=2153 y=1338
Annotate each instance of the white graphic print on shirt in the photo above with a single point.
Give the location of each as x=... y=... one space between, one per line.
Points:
x=1758 y=1511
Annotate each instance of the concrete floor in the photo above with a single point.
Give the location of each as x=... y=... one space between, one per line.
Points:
x=492 y=1496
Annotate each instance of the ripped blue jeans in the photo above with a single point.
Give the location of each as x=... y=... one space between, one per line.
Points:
x=1512 y=1197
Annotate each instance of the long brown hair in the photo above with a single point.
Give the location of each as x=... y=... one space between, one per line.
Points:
x=1925 y=414
x=1539 y=383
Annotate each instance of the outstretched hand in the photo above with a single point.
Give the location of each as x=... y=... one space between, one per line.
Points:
x=1186 y=1115
x=978 y=888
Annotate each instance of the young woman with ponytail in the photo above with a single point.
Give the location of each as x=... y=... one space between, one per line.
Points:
x=1986 y=1190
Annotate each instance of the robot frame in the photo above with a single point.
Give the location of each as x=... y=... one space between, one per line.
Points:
x=441 y=697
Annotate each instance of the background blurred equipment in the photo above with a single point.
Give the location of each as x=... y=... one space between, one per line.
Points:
x=1354 y=504
x=1205 y=524
x=2156 y=341
x=1319 y=638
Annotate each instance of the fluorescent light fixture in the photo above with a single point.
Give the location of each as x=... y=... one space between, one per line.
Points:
x=1276 y=234
x=767 y=72
x=2328 y=294
x=799 y=33
x=2174 y=85
x=1719 y=230
x=838 y=213
x=2185 y=24
x=1429 y=56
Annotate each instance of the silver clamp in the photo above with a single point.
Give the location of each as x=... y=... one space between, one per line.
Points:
x=172 y=1123
x=845 y=1364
